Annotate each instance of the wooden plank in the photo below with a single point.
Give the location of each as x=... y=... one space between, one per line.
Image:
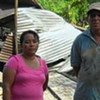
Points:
x=7 y=49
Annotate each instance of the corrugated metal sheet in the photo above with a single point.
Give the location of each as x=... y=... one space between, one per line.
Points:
x=56 y=35
x=40 y=20
x=7 y=49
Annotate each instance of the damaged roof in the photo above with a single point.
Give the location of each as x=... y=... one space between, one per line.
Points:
x=56 y=35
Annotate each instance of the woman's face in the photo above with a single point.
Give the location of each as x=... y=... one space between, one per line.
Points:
x=30 y=44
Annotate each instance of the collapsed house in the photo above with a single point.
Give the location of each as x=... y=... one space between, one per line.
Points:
x=7 y=27
x=56 y=35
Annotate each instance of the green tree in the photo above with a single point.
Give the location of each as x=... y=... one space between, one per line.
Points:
x=73 y=11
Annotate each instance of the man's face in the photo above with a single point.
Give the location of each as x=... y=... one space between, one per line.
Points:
x=94 y=19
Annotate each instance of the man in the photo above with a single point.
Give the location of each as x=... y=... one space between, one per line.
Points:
x=85 y=58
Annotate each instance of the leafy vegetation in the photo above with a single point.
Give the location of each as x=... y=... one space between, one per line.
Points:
x=73 y=11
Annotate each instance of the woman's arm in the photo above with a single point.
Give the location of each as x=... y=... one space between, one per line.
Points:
x=8 y=79
x=45 y=83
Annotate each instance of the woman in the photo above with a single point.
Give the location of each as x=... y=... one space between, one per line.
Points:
x=25 y=75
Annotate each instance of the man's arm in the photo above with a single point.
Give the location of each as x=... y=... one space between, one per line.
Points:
x=76 y=70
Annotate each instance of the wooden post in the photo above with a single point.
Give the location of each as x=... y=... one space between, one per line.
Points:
x=15 y=33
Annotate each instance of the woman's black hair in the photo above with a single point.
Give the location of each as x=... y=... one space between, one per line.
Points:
x=28 y=32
